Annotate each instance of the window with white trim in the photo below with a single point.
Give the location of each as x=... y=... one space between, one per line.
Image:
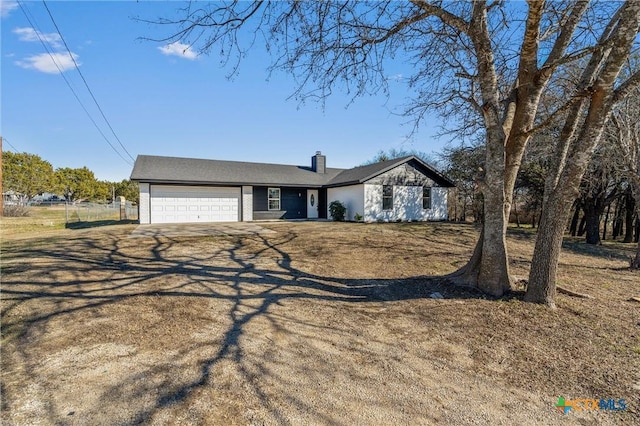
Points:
x=426 y=197
x=274 y=198
x=387 y=197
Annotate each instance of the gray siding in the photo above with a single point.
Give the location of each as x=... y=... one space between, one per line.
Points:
x=260 y=202
x=293 y=203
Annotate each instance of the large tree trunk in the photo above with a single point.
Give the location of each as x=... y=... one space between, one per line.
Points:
x=544 y=265
x=618 y=222
x=592 y=215
x=635 y=263
x=582 y=227
x=573 y=229
x=488 y=268
x=629 y=206
x=635 y=188
x=556 y=210
x=606 y=222
x=494 y=275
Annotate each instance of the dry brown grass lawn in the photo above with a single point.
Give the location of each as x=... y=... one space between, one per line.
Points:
x=317 y=323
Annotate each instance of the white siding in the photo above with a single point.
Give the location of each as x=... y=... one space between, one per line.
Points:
x=373 y=204
x=407 y=204
x=144 y=203
x=439 y=208
x=247 y=203
x=351 y=196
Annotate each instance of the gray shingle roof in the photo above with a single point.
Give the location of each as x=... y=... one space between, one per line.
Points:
x=150 y=168
x=364 y=173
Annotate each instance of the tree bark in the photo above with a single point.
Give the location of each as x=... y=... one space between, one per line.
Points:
x=573 y=229
x=494 y=276
x=592 y=221
x=635 y=263
x=635 y=189
x=467 y=276
x=629 y=206
x=606 y=221
x=582 y=227
x=544 y=265
x=534 y=214
x=617 y=219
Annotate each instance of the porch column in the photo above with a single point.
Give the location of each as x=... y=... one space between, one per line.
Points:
x=247 y=203
x=143 y=203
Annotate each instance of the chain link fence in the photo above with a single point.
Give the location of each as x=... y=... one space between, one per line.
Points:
x=94 y=212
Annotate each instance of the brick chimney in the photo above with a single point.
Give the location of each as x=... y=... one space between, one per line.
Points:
x=319 y=163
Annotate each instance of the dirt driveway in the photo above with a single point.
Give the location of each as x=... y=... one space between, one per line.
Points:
x=198 y=230
x=311 y=323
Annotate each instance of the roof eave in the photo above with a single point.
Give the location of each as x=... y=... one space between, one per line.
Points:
x=221 y=183
x=337 y=185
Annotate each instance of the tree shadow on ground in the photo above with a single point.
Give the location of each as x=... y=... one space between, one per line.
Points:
x=265 y=329
x=248 y=275
x=579 y=246
x=98 y=223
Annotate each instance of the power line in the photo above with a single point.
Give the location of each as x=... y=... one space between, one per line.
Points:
x=9 y=143
x=84 y=80
x=53 y=59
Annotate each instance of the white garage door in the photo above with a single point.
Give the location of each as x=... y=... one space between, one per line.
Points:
x=188 y=204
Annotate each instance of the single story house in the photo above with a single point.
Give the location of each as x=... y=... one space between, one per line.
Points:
x=186 y=190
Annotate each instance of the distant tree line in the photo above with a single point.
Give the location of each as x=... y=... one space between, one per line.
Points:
x=606 y=207
x=28 y=175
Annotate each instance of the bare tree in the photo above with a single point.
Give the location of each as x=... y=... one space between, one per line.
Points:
x=486 y=64
x=583 y=127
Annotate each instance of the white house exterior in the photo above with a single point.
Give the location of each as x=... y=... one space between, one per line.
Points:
x=408 y=204
x=351 y=196
x=184 y=190
x=411 y=195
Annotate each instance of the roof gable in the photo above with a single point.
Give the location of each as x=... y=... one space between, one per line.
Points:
x=363 y=174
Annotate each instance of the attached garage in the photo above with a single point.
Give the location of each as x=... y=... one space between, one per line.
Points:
x=192 y=204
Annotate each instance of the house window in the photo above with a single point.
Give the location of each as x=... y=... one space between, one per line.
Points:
x=426 y=198
x=274 y=198
x=387 y=197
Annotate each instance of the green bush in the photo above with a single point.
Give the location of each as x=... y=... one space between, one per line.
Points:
x=358 y=217
x=337 y=211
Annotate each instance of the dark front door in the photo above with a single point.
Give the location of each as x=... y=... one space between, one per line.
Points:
x=294 y=203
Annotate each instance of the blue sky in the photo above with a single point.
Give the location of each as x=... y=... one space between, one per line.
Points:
x=161 y=101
